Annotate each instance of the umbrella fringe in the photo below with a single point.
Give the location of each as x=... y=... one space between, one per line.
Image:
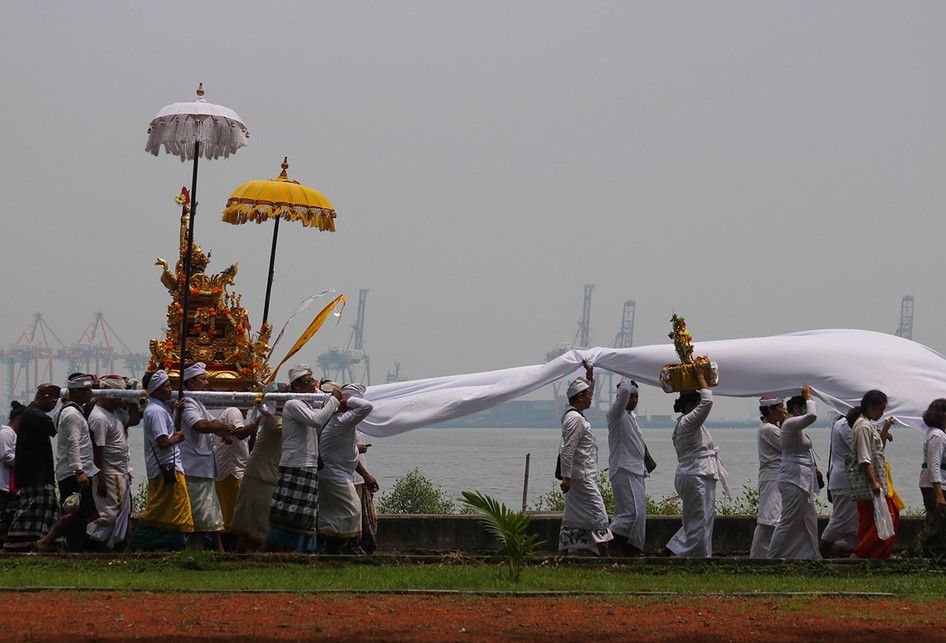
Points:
x=178 y=133
x=240 y=213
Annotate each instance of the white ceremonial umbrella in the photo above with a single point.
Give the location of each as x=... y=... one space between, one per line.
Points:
x=190 y=130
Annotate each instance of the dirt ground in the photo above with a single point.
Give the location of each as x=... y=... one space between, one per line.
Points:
x=145 y=615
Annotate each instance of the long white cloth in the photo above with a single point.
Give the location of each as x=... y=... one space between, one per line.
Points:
x=839 y=365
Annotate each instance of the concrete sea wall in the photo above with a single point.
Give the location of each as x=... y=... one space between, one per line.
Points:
x=732 y=535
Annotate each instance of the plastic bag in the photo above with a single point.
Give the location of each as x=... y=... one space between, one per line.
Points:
x=882 y=518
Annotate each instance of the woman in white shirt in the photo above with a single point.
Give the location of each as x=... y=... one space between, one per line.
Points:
x=931 y=541
x=796 y=535
x=773 y=413
x=869 y=443
x=698 y=469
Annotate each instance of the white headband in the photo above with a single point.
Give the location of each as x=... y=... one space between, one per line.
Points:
x=629 y=384
x=112 y=382
x=299 y=370
x=770 y=401
x=578 y=385
x=194 y=370
x=156 y=381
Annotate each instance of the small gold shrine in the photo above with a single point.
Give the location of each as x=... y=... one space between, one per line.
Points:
x=218 y=326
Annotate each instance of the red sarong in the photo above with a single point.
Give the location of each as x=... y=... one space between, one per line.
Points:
x=868 y=544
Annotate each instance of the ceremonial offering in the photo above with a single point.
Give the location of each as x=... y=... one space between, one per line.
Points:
x=675 y=378
x=218 y=327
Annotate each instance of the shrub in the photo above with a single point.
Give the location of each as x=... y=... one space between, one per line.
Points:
x=745 y=504
x=139 y=499
x=511 y=527
x=414 y=493
x=554 y=499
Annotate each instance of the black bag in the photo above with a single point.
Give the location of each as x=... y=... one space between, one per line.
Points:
x=558 y=467
x=169 y=473
x=649 y=463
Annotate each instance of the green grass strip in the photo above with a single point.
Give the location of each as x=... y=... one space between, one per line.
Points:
x=205 y=571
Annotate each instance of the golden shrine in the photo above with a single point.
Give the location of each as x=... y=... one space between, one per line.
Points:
x=219 y=332
x=676 y=378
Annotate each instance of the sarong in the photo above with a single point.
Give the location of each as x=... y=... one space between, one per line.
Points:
x=8 y=504
x=168 y=507
x=770 y=511
x=697 y=494
x=796 y=535
x=204 y=504
x=34 y=517
x=112 y=524
x=295 y=501
x=842 y=527
x=227 y=490
x=585 y=523
x=369 y=519
x=339 y=510
x=868 y=544
x=630 y=507
x=931 y=540
x=251 y=513
x=74 y=524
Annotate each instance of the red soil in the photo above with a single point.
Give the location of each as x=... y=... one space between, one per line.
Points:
x=116 y=615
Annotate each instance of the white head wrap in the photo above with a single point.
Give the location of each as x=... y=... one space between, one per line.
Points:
x=357 y=390
x=329 y=385
x=299 y=370
x=768 y=400
x=194 y=370
x=578 y=385
x=112 y=382
x=629 y=385
x=157 y=379
x=80 y=380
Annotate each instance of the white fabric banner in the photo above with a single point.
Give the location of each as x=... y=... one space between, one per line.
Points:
x=839 y=365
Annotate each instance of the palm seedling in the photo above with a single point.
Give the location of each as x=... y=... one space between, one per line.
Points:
x=510 y=527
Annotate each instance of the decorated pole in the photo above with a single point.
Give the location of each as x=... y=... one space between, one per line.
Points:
x=187 y=268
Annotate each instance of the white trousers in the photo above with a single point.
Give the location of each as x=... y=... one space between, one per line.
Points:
x=842 y=528
x=796 y=535
x=761 y=541
x=630 y=507
x=698 y=495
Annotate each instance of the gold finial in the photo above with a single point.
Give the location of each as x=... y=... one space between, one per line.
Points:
x=285 y=166
x=200 y=89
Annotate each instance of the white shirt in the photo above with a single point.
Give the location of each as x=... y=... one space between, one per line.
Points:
x=337 y=441
x=934 y=458
x=300 y=423
x=869 y=447
x=841 y=445
x=7 y=452
x=798 y=464
x=155 y=422
x=625 y=439
x=697 y=454
x=73 y=444
x=230 y=459
x=196 y=450
x=770 y=451
x=108 y=432
x=578 y=448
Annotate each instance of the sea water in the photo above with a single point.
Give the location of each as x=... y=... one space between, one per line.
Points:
x=493 y=460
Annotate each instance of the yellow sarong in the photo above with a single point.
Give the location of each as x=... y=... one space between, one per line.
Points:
x=227 y=490
x=169 y=506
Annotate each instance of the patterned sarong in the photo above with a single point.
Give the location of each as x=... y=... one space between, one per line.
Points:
x=296 y=500
x=34 y=517
x=369 y=519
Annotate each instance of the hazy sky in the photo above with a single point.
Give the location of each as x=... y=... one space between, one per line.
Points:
x=761 y=167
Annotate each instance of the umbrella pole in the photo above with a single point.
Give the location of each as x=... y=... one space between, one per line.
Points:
x=269 y=282
x=187 y=271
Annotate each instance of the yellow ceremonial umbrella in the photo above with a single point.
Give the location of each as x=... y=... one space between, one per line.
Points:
x=279 y=198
